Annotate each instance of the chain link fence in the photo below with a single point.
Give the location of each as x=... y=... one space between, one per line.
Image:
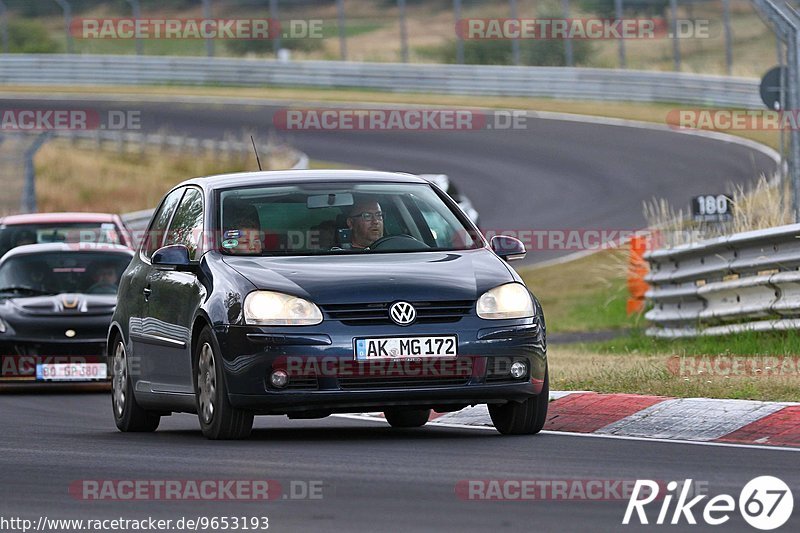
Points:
x=17 y=151
x=702 y=36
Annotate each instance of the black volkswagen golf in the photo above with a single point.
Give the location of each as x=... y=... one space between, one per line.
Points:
x=307 y=293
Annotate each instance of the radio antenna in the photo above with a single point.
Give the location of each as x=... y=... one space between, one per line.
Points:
x=256 y=151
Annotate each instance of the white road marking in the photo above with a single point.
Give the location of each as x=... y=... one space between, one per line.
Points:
x=591 y=435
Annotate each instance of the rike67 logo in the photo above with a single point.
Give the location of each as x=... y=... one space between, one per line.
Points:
x=765 y=503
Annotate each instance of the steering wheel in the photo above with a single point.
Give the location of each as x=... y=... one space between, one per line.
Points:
x=397 y=242
x=102 y=288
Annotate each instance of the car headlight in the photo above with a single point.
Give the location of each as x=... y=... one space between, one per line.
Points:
x=511 y=300
x=267 y=308
x=3 y=327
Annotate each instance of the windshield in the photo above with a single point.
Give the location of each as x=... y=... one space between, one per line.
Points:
x=340 y=218
x=62 y=272
x=93 y=232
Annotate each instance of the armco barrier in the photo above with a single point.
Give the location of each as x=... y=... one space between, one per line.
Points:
x=550 y=82
x=741 y=282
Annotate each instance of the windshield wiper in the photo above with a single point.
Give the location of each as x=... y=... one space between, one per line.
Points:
x=25 y=290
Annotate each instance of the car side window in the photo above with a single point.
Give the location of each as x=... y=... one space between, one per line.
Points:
x=187 y=224
x=155 y=235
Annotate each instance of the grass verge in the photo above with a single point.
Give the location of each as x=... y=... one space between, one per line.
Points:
x=80 y=178
x=590 y=294
x=754 y=366
x=587 y=294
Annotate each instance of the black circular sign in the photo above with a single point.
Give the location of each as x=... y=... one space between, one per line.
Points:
x=770 y=88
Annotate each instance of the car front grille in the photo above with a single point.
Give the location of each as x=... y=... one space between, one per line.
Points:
x=432 y=312
x=48 y=349
x=363 y=383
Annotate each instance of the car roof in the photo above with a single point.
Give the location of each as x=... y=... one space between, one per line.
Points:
x=276 y=177
x=62 y=247
x=58 y=218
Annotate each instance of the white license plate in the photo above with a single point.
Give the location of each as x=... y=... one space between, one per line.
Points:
x=71 y=371
x=406 y=347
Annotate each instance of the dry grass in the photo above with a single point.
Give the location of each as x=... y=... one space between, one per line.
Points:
x=763 y=206
x=580 y=368
x=586 y=294
x=82 y=178
x=759 y=206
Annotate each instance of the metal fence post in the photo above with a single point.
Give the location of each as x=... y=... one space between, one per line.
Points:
x=342 y=29
x=568 y=56
x=459 y=39
x=137 y=14
x=67 y=22
x=207 y=14
x=276 y=36
x=621 y=41
x=514 y=42
x=29 y=193
x=401 y=6
x=4 y=25
x=726 y=20
x=676 y=47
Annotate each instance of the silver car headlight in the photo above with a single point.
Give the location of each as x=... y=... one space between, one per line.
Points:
x=511 y=300
x=268 y=308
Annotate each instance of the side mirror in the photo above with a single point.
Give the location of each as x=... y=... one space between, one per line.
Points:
x=509 y=248
x=174 y=257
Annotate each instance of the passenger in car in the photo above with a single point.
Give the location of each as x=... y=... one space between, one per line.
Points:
x=243 y=234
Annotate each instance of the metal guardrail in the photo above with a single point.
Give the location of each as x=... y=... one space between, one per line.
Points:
x=550 y=82
x=743 y=282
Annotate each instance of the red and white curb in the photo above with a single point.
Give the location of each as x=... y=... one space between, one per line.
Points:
x=656 y=417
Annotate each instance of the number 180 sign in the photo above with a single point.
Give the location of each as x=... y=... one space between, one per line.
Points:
x=712 y=208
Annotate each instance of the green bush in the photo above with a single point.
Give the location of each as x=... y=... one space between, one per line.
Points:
x=605 y=8
x=549 y=53
x=30 y=37
x=264 y=46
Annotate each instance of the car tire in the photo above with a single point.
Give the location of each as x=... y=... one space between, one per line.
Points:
x=522 y=418
x=400 y=417
x=129 y=416
x=219 y=420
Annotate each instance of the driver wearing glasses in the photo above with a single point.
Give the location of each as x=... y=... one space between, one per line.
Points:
x=365 y=220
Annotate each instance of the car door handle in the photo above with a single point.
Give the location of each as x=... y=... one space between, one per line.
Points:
x=147 y=291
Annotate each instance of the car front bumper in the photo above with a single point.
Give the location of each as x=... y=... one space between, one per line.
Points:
x=20 y=357
x=324 y=376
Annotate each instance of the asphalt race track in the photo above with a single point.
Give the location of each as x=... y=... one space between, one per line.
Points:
x=374 y=478
x=552 y=175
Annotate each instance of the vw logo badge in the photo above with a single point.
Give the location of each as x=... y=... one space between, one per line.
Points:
x=402 y=313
